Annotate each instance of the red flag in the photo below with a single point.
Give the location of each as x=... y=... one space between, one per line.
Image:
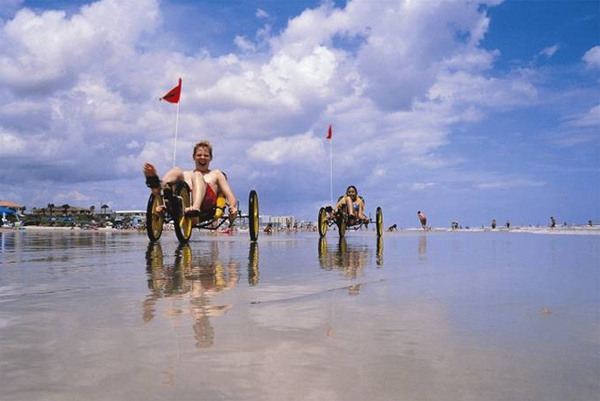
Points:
x=173 y=95
x=329 y=133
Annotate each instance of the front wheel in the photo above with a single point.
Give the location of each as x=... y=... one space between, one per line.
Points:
x=154 y=220
x=379 y=222
x=183 y=224
x=253 y=215
x=322 y=222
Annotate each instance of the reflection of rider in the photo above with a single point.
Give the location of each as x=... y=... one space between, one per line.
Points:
x=352 y=204
x=197 y=280
x=350 y=260
x=422 y=247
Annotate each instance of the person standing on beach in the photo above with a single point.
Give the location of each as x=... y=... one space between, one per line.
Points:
x=552 y=222
x=493 y=224
x=423 y=219
x=507 y=223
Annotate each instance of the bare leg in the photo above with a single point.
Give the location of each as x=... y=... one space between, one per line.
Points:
x=173 y=175
x=350 y=206
x=198 y=191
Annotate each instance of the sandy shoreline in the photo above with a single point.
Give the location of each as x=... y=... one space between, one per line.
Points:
x=571 y=230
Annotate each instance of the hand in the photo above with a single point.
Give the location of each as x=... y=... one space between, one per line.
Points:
x=232 y=212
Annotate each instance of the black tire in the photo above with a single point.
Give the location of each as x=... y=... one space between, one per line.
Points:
x=322 y=222
x=379 y=222
x=183 y=225
x=154 y=221
x=253 y=215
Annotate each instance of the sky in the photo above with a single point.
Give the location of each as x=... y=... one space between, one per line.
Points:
x=468 y=110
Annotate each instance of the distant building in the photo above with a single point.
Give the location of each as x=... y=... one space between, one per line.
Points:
x=12 y=205
x=136 y=216
x=58 y=210
x=283 y=221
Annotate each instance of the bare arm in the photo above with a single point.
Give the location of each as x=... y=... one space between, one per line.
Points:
x=361 y=209
x=226 y=189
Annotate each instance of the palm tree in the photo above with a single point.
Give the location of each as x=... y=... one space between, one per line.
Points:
x=50 y=208
x=104 y=208
x=65 y=208
x=92 y=208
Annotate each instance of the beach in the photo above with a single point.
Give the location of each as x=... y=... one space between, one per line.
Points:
x=442 y=315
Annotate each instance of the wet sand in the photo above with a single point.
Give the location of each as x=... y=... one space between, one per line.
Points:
x=436 y=316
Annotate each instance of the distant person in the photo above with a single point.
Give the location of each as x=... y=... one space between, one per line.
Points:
x=393 y=227
x=493 y=224
x=455 y=224
x=423 y=219
x=565 y=224
x=507 y=223
x=590 y=223
x=552 y=222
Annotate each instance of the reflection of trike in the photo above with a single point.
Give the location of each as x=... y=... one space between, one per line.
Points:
x=328 y=217
x=169 y=206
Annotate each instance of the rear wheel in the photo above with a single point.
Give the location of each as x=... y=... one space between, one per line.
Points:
x=322 y=222
x=183 y=224
x=253 y=215
x=154 y=220
x=379 y=222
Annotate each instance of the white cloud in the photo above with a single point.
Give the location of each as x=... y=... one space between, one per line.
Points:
x=592 y=57
x=404 y=76
x=244 y=44
x=589 y=119
x=549 y=51
x=421 y=186
x=260 y=13
x=510 y=183
x=303 y=149
x=10 y=144
x=103 y=33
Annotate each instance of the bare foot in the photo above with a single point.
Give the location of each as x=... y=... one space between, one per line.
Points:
x=150 y=171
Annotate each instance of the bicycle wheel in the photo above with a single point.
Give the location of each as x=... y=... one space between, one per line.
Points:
x=183 y=225
x=154 y=220
x=322 y=222
x=253 y=215
x=379 y=222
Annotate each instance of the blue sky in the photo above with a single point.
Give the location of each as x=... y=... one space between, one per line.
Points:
x=461 y=109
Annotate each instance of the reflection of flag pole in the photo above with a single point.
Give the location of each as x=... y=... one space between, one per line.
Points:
x=174 y=96
x=330 y=139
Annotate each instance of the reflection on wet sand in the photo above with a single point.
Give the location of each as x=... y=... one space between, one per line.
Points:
x=196 y=279
x=422 y=247
x=351 y=260
x=253 y=274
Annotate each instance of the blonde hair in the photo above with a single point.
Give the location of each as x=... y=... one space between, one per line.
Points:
x=203 y=144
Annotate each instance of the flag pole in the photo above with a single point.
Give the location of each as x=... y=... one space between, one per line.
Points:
x=331 y=171
x=176 y=126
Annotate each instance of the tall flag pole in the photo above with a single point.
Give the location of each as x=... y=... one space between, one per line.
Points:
x=330 y=139
x=174 y=96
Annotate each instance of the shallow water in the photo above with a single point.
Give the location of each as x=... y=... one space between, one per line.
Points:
x=441 y=316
